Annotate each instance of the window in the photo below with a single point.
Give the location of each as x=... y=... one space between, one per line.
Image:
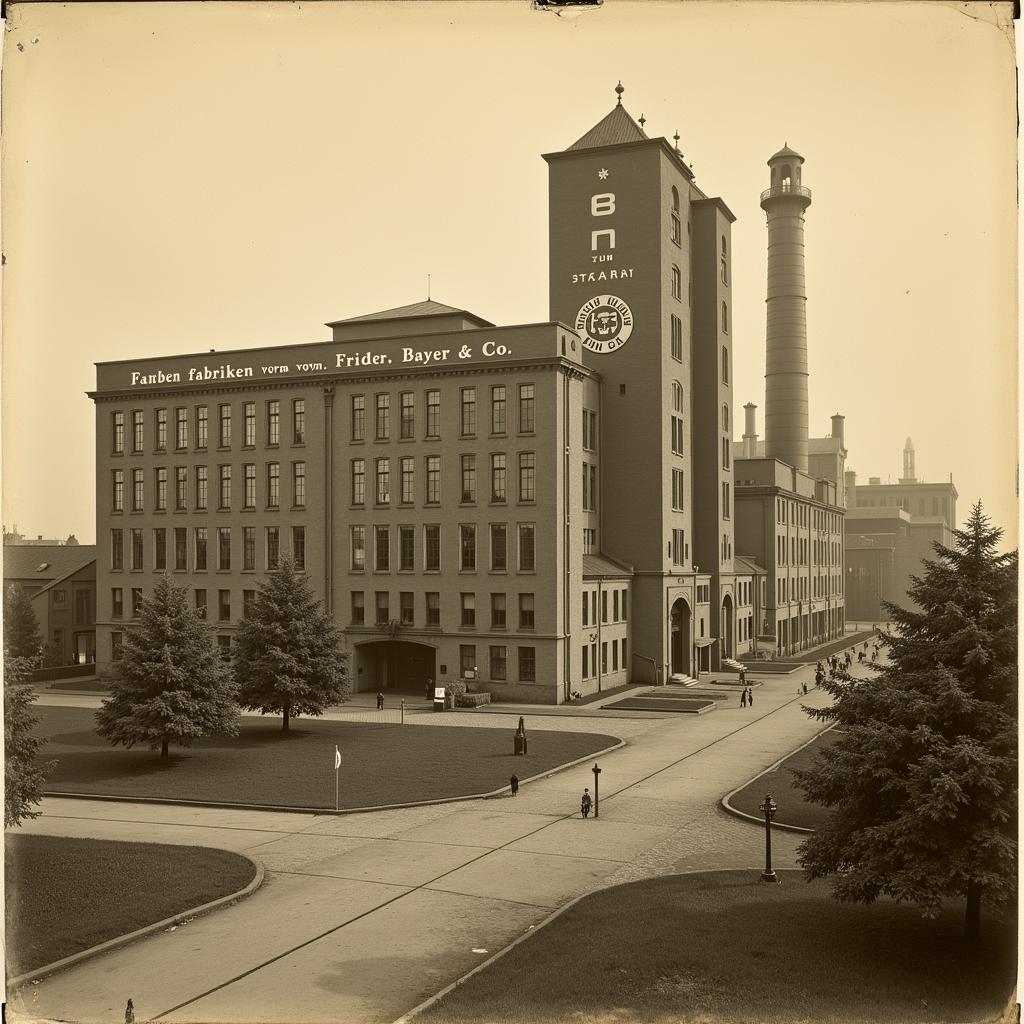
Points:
x=382 y=430
x=678 y=491
x=499 y=473
x=383 y=481
x=407 y=423
x=604 y=606
x=498 y=610
x=585 y=669
x=116 y=603
x=498 y=409
x=586 y=430
x=358 y=417
x=249 y=414
x=593 y=488
x=117 y=430
x=433 y=414
x=725 y=262
x=406 y=548
x=200 y=548
x=468 y=412
x=202 y=426
x=181 y=428
x=407 y=479
x=675 y=199
x=625 y=613
x=725 y=365
x=499 y=547
x=726 y=461
x=273 y=422
x=586 y=488
x=499 y=661
x=273 y=484
x=527 y=549
x=249 y=494
x=433 y=479
x=586 y=605
x=358 y=482
x=468 y=610
x=526 y=619
x=298 y=485
x=138 y=430
x=224 y=547
x=432 y=548
x=180 y=548
x=358 y=608
x=225 y=487
x=273 y=547
x=117 y=549
x=677 y=338
x=382 y=548
x=406 y=608
x=223 y=605
x=433 y=608
x=138 y=489
x=468 y=478
x=224 y=647
x=677 y=283
x=725 y=318
x=117 y=496
x=615 y=606
x=116 y=645
x=676 y=230
x=225 y=426
x=527 y=409
x=137 y=549
x=604 y=657
x=249 y=548
x=678 y=423
x=527 y=664
x=678 y=547
x=160 y=549
x=357 y=544
x=180 y=488
x=527 y=476
x=725 y=418
x=136 y=602
x=383 y=607
x=248 y=603
x=467 y=659
x=202 y=487
x=298 y=421
x=161 y=430
x=467 y=548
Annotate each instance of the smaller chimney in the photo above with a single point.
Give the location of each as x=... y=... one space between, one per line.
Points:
x=850 y=478
x=750 y=431
x=874 y=480
x=838 y=422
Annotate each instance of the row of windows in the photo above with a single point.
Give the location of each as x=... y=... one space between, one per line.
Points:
x=619 y=602
x=526 y=658
x=199 y=422
x=800 y=515
x=618 y=652
x=526 y=479
x=200 y=476
x=208 y=549
x=383 y=557
x=432 y=610
x=798 y=550
x=589 y=430
x=828 y=586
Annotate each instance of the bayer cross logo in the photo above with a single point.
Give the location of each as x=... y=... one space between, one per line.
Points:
x=604 y=323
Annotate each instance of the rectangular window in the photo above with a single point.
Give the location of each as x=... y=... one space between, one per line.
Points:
x=223 y=605
x=499 y=661
x=248 y=603
x=725 y=453
x=468 y=412
x=586 y=489
x=406 y=608
x=160 y=549
x=677 y=230
x=433 y=608
x=273 y=422
x=249 y=548
x=407 y=480
x=498 y=611
x=136 y=602
x=358 y=417
x=298 y=485
x=467 y=659
x=592 y=417
x=499 y=547
x=677 y=283
x=249 y=494
x=382 y=548
x=383 y=481
x=526 y=619
x=383 y=607
x=527 y=408
x=604 y=606
x=468 y=610
x=677 y=338
x=117 y=549
x=433 y=414
x=467 y=548
x=383 y=423
x=138 y=430
x=585 y=668
x=138 y=489
x=725 y=501
x=273 y=485
x=357 y=543
x=117 y=430
x=298 y=421
x=273 y=547
x=249 y=417
x=586 y=605
x=202 y=426
x=604 y=656
x=615 y=655
x=433 y=479
x=116 y=603
x=593 y=488
x=116 y=645
x=202 y=487
x=625 y=606
x=358 y=608
x=678 y=492
x=224 y=412
x=468 y=479
x=527 y=664
x=407 y=424
x=527 y=548
x=137 y=549
x=117 y=496
x=499 y=473
x=200 y=548
x=180 y=548
x=161 y=430
x=225 y=487
x=224 y=547
x=499 y=424
x=181 y=428
x=527 y=476
x=432 y=548
x=586 y=431
x=358 y=482
x=615 y=606
x=161 y=490
x=407 y=548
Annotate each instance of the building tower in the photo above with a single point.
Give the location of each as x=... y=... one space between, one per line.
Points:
x=785 y=417
x=908 y=464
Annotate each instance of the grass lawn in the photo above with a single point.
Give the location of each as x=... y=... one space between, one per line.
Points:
x=66 y=895
x=723 y=947
x=380 y=764
x=793 y=809
x=689 y=705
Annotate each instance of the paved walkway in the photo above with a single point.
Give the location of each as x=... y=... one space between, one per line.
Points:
x=362 y=917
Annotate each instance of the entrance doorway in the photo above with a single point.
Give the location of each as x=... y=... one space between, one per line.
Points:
x=679 y=646
x=727 y=627
x=396 y=666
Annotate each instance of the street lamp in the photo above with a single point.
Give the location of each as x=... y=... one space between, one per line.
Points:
x=769 y=807
x=597 y=779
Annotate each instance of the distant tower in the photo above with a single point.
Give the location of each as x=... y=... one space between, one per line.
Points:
x=785 y=407
x=908 y=464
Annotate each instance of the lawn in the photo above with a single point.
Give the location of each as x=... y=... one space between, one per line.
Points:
x=380 y=764
x=723 y=947
x=66 y=895
x=793 y=809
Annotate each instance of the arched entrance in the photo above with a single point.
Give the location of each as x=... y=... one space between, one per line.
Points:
x=680 y=641
x=397 y=666
x=727 y=647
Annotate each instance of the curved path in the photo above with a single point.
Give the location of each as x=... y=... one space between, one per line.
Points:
x=361 y=917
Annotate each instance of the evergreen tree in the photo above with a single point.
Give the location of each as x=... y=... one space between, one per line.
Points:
x=289 y=656
x=21 y=629
x=922 y=778
x=24 y=774
x=173 y=685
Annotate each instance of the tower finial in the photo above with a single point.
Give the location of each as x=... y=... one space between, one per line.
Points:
x=676 y=138
x=642 y=120
x=619 y=90
x=428 y=287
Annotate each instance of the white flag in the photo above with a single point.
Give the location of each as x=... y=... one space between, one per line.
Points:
x=337 y=758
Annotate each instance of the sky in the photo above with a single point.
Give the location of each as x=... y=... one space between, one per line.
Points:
x=181 y=177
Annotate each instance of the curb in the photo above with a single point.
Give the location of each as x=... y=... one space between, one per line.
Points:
x=728 y=807
x=141 y=933
x=284 y=808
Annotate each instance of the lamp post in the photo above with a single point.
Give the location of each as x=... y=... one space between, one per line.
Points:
x=769 y=807
x=597 y=779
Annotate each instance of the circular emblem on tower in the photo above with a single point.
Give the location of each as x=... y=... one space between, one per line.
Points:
x=604 y=323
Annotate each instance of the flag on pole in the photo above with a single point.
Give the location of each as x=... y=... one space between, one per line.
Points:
x=337 y=758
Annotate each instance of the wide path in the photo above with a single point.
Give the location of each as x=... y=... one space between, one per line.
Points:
x=362 y=916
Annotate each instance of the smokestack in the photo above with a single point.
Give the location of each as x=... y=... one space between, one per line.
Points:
x=785 y=379
x=908 y=463
x=838 y=426
x=750 y=431
x=850 y=476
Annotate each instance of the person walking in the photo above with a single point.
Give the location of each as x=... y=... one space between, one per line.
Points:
x=380 y=701
x=743 y=677
x=805 y=687
x=429 y=689
x=750 y=697
x=513 y=784
x=743 y=698
x=129 y=1013
x=585 y=803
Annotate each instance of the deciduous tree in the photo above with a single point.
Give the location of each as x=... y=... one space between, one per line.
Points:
x=24 y=773
x=21 y=628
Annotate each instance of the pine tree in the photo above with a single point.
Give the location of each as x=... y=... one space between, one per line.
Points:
x=21 y=629
x=24 y=774
x=922 y=777
x=173 y=686
x=289 y=656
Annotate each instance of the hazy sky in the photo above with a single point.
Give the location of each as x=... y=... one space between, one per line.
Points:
x=180 y=177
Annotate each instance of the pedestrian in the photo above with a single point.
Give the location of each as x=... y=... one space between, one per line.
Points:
x=743 y=677
x=750 y=698
x=805 y=687
x=380 y=701
x=429 y=689
x=585 y=803
x=513 y=784
x=129 y=1013
x=743 y=698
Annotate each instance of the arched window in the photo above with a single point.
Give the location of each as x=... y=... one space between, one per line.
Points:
x=725 y=417
x=725 y=365
x=677 y=396
x=725 y=318
x=675 y=199
x=787 y=176
x=677 y=283
x=725 y=248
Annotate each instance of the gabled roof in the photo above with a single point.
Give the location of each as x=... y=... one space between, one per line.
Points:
x=413 y=311
x=45 y=562
x=614 y=129
x=745 y=564
x=602 y=565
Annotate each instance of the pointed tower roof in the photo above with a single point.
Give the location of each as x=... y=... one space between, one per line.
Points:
x=416 y=309
x=613 y=129
x=786 y=152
